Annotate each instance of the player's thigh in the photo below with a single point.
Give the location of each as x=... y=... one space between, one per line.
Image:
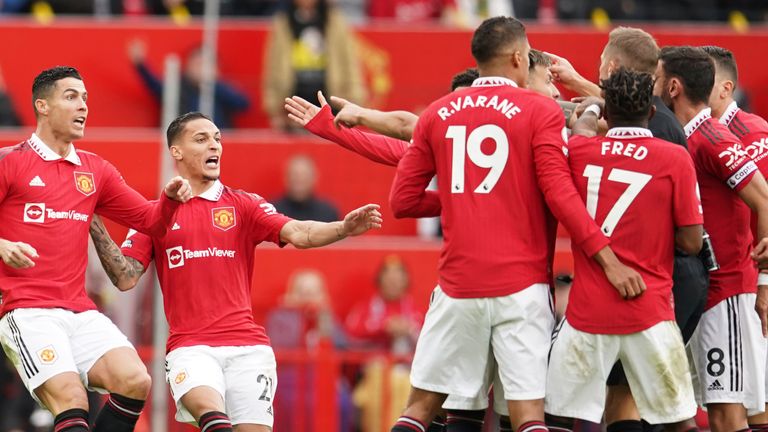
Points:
x=192 y=367
x=453 y=347
x=245 y=427
x=201 y=400
x=106 y=357
x=728 y=353
x=657 y=370
x=251 y=382
x=38 y=344
x=521 y=335
x=579 y=365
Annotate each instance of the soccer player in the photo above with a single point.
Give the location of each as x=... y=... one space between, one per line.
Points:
x=49 y=328
x=220 y=366
x=621 y=176
x=540 y=78
x=635 y=49
x=498 y=153
x=752 y=130
x=728 y=347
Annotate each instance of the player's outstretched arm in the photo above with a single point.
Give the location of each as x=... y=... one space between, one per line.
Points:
x=309 y=234
x=123 y=271
x=565 y=74
x=17 y=254
x=319 y=121
x=395 y=124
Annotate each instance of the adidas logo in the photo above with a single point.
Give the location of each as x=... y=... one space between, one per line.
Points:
x=37 y=181
x=175 y=227
x=715 y=386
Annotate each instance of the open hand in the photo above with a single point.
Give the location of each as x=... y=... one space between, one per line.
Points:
x=361 y=220
x=301 y=111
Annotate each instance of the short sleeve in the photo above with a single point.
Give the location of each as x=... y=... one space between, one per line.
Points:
x=264 y=221
x=139 y=247
x=686 y=204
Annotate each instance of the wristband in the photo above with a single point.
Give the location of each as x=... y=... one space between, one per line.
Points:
x=762 y=279
x=594 y=108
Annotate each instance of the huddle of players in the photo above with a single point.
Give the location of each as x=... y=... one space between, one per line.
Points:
x=643 y=192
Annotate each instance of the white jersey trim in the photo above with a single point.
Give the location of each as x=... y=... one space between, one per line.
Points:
x=700 y=118
x=629 y=132
x=47 y=154
x=730 y=113
x=214 y=192
x=493 y=81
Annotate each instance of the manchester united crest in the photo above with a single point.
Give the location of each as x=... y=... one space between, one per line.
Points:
x=47 y=355
x=180 y=377
x=84 y=183
x=224 y=218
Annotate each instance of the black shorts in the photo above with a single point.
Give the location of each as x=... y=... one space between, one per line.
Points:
x=690 y=283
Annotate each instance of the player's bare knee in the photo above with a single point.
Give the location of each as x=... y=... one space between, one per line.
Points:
x=61 y=395
x=135 y=384
x=252 y=428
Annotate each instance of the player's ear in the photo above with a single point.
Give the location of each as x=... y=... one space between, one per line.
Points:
x=675 y=87
x=728 y=88
x=652 y=112
x=41 y=106
x=176 y=153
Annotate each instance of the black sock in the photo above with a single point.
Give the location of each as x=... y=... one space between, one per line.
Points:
x=119 y=414
x=437 y=425
x=465 y=421
x=559 y=424
x=72 y=420
x=408 y=424
x=215 y=421
x=626 y=426
x=505 y=424
x=762 y=427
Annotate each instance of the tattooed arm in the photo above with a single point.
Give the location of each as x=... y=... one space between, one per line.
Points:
x=123 y=271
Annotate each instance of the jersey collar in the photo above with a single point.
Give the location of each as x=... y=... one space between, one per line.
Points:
x=493 y=82
x=48 y=155
x=214 y=192
x=730 y=113
x=700 y=118
x=629 y=132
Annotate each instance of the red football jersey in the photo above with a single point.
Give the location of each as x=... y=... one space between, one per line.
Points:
x=752 y=130
x=498 y=152
x=723 y=168
x=639 y=188
x=47 y=201
x=204 y=264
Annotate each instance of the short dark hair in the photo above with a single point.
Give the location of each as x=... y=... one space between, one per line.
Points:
x=636 y=48
x=45 y=81
x=538 y=58
x=464 y=78
x=628 y=96
x=177 y=125
x=693 y=67
x=493 y=35
x=724 y=60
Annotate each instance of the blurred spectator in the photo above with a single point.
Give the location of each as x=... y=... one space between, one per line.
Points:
x=473 y=12
x=304 y=320
x=415 y=11
x=305 y=316
x=229 y=101
x=299 y=201
x=310 y=48
x=14 y=6
x=388 y=320
x=8 y=116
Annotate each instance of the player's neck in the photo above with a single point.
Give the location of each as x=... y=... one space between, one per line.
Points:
x=685 y=112
x=718 y=111
x=56 y=143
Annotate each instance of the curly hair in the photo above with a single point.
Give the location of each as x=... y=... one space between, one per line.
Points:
x=464 y=78
x=628 y=96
